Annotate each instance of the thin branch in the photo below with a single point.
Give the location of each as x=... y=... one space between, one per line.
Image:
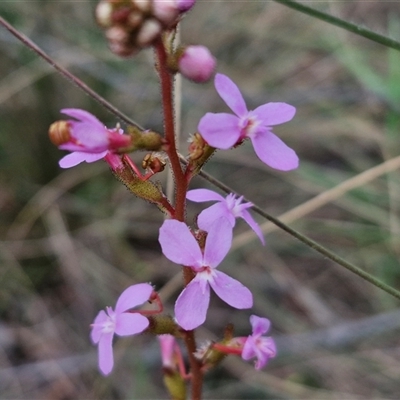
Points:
x=64 y=72
x=341 y=23
x=309 y=242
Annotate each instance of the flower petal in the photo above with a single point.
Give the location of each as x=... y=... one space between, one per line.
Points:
x=179 y=245
x=81 y=115
x=253 y=225
x=192 y=305
x=75 y=158
x=259 y=325
x=218 y=242
x=133 y=296
x=272 y=151
x=231 y=291
x=208 y=216
x=106 y=357
x=97 y=329
x=130 y=324
x=275 y=113
x=230 y=93
x=249 y=349
x=221 y=130
x=199 y=195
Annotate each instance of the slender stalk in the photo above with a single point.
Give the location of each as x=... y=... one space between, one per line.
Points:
x=65 y=73
x=341 y=23
x=169 y=130
x=309 y=242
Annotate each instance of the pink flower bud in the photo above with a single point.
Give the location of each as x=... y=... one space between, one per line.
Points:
x=165 y=11
x=185 y=5
x=197 y=64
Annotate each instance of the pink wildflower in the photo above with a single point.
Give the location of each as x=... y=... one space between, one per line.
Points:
x=223 y=130
x=197 y=64
x=229 y=207
x=86 y=137
x=120 y=321
x=256 y=345
x=179 y=246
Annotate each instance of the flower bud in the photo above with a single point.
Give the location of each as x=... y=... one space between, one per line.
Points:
x=165 y=11
x=104 y=12
x=149 y=31
x=196 y=63
x=185 y=5
x=60 y=132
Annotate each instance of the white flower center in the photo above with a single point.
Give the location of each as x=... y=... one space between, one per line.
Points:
x=249 y=125
x=108 y=326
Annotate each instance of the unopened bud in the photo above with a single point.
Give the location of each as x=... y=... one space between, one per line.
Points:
x=196 y=63
x=104 y=14
x=165 y=11
x=185 y=5
x=60 y=132
x=149 y=31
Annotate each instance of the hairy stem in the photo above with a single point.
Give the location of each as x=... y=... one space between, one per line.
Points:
x=169 y=130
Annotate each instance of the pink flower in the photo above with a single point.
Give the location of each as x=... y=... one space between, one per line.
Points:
x=229 y=207
x=197 y=64
x=120 y=322
x=179 y=246
x=256 y=345
x=223 y=131
x=86 y=137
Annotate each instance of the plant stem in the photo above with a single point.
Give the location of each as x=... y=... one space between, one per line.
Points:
x=169 y=130
x=64 y=72
x=309 y=242
x=341 y=23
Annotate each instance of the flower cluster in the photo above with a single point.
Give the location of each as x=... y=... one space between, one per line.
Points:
x=135 y=24
x=130 y=26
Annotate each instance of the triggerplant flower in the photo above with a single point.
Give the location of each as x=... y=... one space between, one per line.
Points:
x=229 y=207
x=179 y=246
x=86 y=137
x=223 y=130
x=120 y=321
x=256 y=345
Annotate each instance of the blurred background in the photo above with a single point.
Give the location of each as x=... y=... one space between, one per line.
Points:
x=73 y=240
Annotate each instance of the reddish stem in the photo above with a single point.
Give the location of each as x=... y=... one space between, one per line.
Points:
x=169 y=131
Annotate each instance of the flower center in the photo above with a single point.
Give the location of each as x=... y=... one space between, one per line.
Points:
x=249 y=125
x=109 y=325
